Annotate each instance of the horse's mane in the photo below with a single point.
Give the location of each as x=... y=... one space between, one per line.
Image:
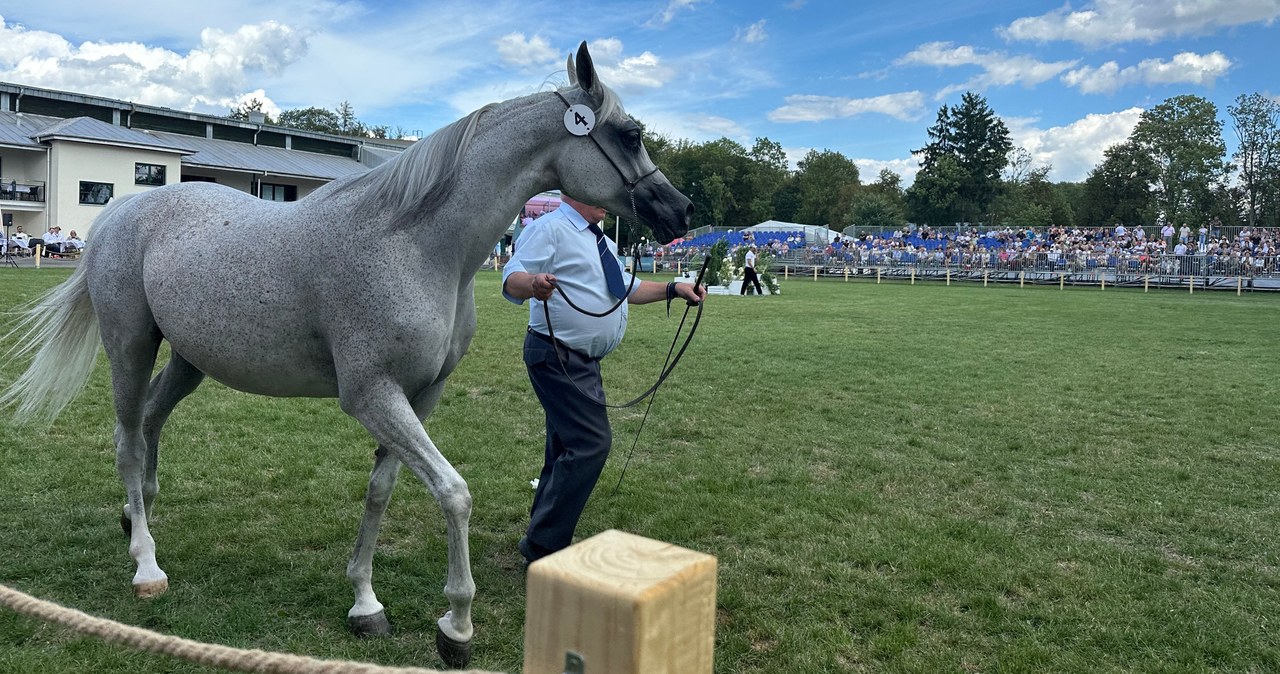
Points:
x=421 y=178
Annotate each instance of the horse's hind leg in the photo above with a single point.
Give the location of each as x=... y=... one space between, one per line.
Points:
x=175 y=382
x=133 y=354
x=366 y=617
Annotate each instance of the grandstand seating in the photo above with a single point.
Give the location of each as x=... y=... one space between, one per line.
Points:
x=759 y=238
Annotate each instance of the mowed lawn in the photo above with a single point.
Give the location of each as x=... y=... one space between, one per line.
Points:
x=894 y=478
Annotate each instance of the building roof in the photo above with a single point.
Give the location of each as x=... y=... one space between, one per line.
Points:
x=235 y=156
x=34 y=131
x=16 y=128
x=97 y=131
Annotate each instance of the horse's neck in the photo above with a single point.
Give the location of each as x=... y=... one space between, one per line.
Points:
x=508 y=161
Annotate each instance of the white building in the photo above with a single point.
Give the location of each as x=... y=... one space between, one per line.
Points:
x=64 y=155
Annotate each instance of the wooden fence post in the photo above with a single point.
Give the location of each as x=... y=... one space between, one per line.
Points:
x=1022 y=275
x=877 y=276
x=815 y=273
x=913 y=276
x=1238 y=285
x=39 y=250
x=1191 y=285
x=948 y=275
x=622 y=604
x=1146 y=284
x=846 y=274
x=1062 y=281
x=984 y=277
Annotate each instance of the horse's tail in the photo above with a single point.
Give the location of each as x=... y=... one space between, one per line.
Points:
x=62 y=330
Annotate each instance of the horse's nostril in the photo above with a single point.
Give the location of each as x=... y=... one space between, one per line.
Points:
x=688 y=215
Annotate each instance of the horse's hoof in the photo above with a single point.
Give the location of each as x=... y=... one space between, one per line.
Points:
x=372 y=625
x=456 y=654
x=151 y=589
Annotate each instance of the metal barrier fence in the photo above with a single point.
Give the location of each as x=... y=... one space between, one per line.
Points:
x=1187 y=271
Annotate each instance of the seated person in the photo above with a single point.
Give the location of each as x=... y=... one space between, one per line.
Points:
x=74 y=242
x=21 y=241
x=53 y=240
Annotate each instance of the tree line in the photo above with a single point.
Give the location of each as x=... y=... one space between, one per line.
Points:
x=1172 y=168
x=340 y=121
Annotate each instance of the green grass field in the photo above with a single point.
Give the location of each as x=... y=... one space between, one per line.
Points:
x=894 y=478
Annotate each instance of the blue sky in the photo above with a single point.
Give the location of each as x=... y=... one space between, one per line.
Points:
x=862 y=78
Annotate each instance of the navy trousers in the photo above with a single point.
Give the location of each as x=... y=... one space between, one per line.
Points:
x=578 y=442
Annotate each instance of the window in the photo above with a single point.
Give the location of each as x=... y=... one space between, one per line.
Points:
x=148 y=174
x=272 y=192
x=97 y=194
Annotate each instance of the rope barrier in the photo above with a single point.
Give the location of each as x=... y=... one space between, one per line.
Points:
x=213 y=655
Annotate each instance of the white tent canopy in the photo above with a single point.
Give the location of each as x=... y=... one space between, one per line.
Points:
x=811 y=233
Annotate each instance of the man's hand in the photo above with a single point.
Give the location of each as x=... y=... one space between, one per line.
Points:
x=523 y=285
x=691 y=293
x=543 y=286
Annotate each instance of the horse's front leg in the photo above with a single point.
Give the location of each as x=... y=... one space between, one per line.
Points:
x=386 y=413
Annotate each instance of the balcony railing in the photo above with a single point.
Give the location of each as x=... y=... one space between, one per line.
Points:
x=12 y=189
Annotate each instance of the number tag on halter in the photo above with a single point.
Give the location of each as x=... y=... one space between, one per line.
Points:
x=579 y=120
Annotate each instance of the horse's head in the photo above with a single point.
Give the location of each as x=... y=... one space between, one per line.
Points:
x=604 y=161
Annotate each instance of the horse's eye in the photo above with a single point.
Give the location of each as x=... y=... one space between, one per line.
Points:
x=633 y=138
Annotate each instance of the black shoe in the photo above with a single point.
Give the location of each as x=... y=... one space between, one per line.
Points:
x=531 y=551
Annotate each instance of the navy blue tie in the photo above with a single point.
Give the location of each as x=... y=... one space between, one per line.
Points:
x=612 y=274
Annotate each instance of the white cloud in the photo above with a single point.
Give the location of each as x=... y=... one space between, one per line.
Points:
x=672 y=9
x=1184 y=68
x=533 y=52
x=1074 y=149
x=906 y=106
x=869 y=169
x=696 y=127
x=1106 y=22
x=794 y=155
x=210 y=77
x=998 y=68
x=628 y=73
x=753 y=33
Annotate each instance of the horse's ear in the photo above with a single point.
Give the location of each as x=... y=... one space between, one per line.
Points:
x=573 y=74
x=585 y=69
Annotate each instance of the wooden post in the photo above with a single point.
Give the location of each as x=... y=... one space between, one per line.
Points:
x=1103 y=278
x=877 y=276
x=1022 y=275
x=1239 y=283
x=39 y=253
x=948 y=275
x=815 y=273
x=913 y=275
x=1146 y=284
x=846 y=274
x=1191 y=285
x=984 y=277
x=1062 y=281
x=786 y=272
x=624 y=604
x=678 y=271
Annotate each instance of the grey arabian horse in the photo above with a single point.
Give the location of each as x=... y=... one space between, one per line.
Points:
x=380 y=331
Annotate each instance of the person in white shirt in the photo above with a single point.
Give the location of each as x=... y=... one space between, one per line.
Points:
x=565 y=249
x=53 y=240
x=74 y=241
x=749 y=272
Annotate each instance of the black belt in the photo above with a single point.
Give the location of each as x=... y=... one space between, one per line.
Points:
x=554 y=342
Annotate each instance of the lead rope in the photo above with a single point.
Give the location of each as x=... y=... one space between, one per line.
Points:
x=667 y=369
